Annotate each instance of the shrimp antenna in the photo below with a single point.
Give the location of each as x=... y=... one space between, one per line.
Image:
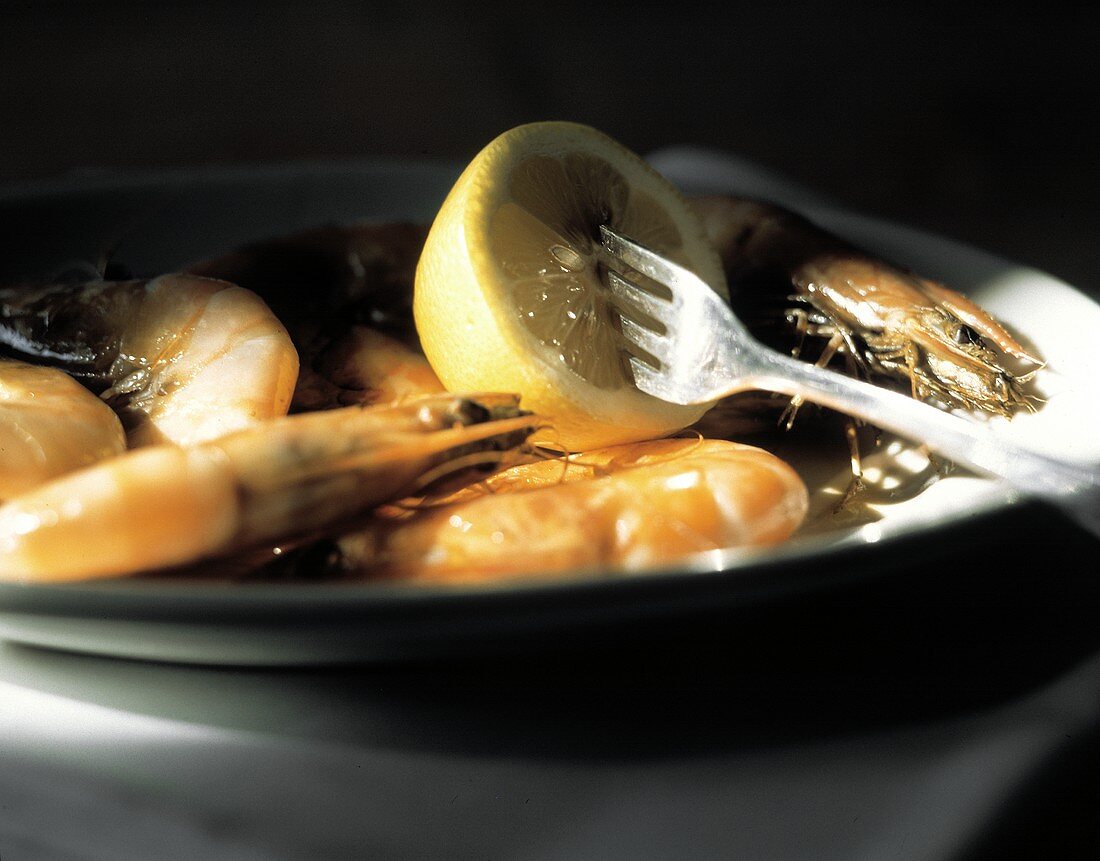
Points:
x=474 y=459
x=500 y=459
x=690 y=433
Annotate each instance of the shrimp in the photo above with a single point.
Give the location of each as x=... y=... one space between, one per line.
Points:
x=49 y=425
x=359 y=366
x=627 y=508
x=885 y=324
x=182 y=359
x=167 y=505
x=345 y=295
x=883 y=321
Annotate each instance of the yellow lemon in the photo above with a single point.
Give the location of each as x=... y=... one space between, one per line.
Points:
x=511 y=292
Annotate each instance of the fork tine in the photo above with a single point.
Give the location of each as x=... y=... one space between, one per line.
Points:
x=638 y=335
x=641 y=259
x=632 y=297
x=649 y=379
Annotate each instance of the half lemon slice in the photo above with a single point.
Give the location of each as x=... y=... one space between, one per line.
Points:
x=511 y=291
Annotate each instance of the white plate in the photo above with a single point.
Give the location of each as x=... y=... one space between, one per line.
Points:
x=162 y=221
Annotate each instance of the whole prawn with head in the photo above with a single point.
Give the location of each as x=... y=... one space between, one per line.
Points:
x=883 y=323
x=882 y=320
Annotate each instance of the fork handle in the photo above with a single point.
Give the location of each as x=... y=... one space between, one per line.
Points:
x=1072 y=487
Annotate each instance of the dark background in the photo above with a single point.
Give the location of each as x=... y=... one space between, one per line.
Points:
x=977 y=127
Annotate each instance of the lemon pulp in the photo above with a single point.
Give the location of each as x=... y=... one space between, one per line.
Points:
x=546 y=239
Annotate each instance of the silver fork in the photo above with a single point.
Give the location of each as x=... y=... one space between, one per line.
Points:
x=703 y=353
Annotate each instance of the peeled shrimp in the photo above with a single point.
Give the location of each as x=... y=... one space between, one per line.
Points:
x=167 y=505
x=182 y=359
x=49 y=425
x=626 y=507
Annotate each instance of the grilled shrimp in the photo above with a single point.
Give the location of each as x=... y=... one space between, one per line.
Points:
x=167 y=505
x=627 y=507
x=883 y=321
x=49 y=425
x=345 y=295
x=182 y=359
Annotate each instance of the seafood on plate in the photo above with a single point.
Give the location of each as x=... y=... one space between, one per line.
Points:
x=49 y=425
x=622 y=508
x=180 y=358
x=203 y=367
x=168 y=505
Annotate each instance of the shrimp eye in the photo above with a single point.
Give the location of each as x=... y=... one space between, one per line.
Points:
x=965 y=335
